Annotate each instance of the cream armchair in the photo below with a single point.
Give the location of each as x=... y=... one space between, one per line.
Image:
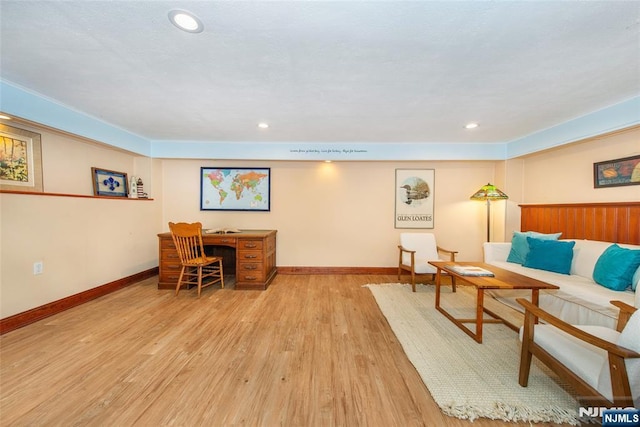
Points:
x=601 y=364
x=416 y=250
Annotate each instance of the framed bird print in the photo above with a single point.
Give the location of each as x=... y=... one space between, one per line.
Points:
x=414 y=198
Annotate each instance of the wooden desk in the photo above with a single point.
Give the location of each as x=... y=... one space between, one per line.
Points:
x=503 y=279
x=254 y=252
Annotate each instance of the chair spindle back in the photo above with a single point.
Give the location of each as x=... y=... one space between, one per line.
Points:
x=188 y=240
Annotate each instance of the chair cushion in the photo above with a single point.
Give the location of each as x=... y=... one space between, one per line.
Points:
x=615 y=267
x=629 y=338
x=550 y=255
x=520 y=246
x=585 y=360
x=630 y=335
x=424 y=267
x=426 y=250
x=585 y=256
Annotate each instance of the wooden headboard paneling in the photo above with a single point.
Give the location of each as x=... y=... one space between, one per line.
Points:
x=610 y=222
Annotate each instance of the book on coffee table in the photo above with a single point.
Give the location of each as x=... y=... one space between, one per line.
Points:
x=470 y=270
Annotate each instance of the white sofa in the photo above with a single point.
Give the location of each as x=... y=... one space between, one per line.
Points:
x=580 y=300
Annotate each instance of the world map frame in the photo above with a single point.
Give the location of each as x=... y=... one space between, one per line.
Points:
x=235 y=189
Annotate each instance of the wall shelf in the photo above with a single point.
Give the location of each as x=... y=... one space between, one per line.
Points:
x=33 y=193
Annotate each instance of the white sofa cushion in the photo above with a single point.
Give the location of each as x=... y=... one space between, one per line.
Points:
x=496 y=251
x=573 y=287
x=579 y=300
x=585 y=256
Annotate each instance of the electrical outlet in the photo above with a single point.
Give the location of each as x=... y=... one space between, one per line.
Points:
x=38 y=267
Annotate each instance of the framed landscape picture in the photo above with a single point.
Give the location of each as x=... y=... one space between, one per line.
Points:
x=235 y=189
x=414 y=198
x=616 y=173
x=20 y=160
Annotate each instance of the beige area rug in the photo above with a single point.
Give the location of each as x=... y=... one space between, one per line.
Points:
x=466 y=379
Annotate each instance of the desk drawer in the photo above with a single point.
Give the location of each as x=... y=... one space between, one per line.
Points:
x=169 y=256
x=249 y=267
x=220 y=240
x=252 y=245
x=251 y=276
x=167 y=244
x=170 y=272
x=250 y=256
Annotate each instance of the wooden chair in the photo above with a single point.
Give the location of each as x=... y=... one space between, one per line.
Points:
x=196 y=266
x=598 y=362
x=416 y=250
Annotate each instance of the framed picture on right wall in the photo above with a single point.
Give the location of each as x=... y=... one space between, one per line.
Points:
x=617 y=172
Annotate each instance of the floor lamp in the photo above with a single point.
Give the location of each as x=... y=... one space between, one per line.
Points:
x=489 y=192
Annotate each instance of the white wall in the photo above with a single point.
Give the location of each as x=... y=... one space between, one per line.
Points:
x=341 y=213
x=336 y=214
x=82 y=242
x=565 y=174
x=514 y=188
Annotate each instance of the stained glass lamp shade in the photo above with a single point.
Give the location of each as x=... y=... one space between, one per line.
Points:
x=489 y=192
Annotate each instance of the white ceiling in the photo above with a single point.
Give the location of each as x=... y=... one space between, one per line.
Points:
x=340 y=71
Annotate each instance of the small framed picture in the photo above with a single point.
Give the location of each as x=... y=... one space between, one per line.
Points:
x=616 y=173
x=109 y=183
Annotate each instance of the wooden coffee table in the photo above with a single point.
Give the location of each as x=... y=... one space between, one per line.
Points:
x=502 y=279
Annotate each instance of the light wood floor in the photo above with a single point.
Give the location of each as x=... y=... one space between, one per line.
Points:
x=309 y=351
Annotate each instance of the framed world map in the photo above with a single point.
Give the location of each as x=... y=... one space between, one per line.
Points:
x=235 y=189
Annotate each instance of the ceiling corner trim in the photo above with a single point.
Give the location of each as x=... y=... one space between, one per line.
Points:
x=38 y=109
x=616 y=117
x=318 y=151
x=23 y=103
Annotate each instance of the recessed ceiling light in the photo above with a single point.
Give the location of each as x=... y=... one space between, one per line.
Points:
x=471 y=126
x=3 y=117
x=263 y=125
x=186 y=21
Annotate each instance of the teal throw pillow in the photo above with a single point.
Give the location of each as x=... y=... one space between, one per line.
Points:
x=615 y=267
x=550 y=255
x=520 y=246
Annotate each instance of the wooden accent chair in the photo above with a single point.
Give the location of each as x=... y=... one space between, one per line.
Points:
x=601 y=364
x=416 y=250
x=196 y=266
